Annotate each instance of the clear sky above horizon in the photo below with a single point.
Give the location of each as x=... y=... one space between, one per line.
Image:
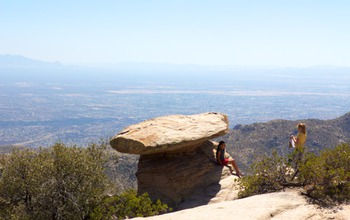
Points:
x=248 y=33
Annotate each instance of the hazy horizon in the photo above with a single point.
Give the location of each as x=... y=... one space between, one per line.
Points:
x=234 y=33
x=58 y=63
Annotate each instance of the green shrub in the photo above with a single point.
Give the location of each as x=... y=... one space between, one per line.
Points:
x=62 y=182
x=326 y=177
x=265 y=176
x=128 y=205
x=53 y=183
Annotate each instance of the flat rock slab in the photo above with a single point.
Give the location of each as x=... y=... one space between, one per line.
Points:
x=280 y=206
x=174 y=133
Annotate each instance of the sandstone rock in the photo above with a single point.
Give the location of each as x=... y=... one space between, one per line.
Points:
x=177 y=162
x=182 y=180
x=279 y=206
x=173 y=133
x=226 y=190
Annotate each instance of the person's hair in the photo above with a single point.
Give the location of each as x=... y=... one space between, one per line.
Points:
x=221 y=143
x=302 y=126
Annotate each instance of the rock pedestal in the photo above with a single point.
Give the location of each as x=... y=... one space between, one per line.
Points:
x=177 y=157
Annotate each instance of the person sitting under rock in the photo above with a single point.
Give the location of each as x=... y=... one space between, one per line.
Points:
x=298 y=142
x=220 y=156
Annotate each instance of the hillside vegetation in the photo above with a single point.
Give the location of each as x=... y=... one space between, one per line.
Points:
x=248 y=142
x=325 y=177
x=62 y=182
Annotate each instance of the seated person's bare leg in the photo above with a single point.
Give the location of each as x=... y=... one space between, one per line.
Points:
x=231 y=170
x=234 y=164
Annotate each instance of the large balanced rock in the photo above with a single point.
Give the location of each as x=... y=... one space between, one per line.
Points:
x=177 y=162
x=170 y=133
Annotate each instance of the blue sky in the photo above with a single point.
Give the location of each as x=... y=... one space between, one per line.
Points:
x=246 y=33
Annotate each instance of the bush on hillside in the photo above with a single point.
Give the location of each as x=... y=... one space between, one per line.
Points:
x=266 y=177
x=53 y=183
x=128 y=205
x=326 y=177
x=62 y=182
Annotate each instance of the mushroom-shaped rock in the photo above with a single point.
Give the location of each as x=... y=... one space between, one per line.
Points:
x=169 y=134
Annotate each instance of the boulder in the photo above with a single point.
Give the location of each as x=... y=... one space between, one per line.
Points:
x=225 y=190
x=175 y=133
x=182 y=180
x=177 y=161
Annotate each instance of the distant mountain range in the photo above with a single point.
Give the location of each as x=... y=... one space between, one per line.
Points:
x=247 y=142
x=17 y=61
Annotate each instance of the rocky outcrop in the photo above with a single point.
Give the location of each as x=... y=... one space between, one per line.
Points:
x=225 y=190
x=172 y=133
x=177 y=162
x=281 y=205
x=177 y=178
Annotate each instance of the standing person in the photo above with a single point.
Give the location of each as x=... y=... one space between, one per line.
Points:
x=220 y=156
x=298 y=142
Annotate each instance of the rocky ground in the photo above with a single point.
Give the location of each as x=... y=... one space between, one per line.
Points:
x=281 y=205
